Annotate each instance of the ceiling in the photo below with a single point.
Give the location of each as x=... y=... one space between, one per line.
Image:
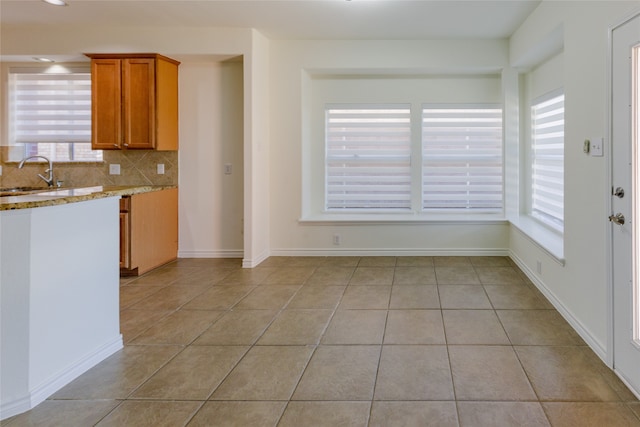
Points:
x=291 y=19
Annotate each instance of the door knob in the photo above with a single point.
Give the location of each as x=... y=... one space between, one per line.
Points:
x=617 y=218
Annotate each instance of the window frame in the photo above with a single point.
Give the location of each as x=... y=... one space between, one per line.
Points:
x=404 y=155
x=54 y=145
x=416 y=210
x=550 y=221
x=488 y=137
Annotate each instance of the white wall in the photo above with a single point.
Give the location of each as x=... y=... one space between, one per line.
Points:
x=59 y=303
x=299 y=83
x=256 y=154
x=546 y=77
x=211 y=136
x=579 y=288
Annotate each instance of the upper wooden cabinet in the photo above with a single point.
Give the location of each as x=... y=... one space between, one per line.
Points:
x=134 y=102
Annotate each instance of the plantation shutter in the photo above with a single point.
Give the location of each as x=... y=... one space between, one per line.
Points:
x=368 y=157
x=51 y=108
x=462 y=158
x=547 y=125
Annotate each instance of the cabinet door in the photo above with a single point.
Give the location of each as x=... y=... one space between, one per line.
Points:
x=166 y=105
x=154 y=229
x=138 y=93
x=106 y=104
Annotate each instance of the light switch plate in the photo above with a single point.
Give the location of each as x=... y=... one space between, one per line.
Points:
x=597 y=147
x=114 y=169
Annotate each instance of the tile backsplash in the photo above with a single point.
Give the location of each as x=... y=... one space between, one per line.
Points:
x=136 y=168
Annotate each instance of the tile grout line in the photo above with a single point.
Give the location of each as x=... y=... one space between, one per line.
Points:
x=626 y=404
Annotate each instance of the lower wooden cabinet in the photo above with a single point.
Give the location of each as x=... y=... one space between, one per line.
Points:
x=148 y=231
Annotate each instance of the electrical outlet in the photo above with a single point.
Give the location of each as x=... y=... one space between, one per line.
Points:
x=539 y=267
x=0 y=170
x=114 y=169
x=337 y=239
x=228 y=169
x=160 y=168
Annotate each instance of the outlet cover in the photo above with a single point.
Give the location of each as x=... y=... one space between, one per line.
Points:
x=114 y=169
x=597 y=147
x=160 y=168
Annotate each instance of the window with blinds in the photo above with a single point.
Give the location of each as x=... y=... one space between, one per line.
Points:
x=368 y=157
x=547 y=160
x=462 y=163
x=50 y=115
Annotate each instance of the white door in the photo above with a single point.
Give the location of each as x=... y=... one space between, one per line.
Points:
x=625 y=145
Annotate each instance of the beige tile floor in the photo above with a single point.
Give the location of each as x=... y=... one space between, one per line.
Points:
x=349 y=341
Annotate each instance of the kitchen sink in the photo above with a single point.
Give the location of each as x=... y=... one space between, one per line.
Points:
x=19 y=191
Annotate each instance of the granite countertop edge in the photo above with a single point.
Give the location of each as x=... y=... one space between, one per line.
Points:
x=62 y=196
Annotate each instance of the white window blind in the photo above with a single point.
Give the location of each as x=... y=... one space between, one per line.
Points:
x=51 y=114
x=547 y=154
x=368 y=157
x=462 y=158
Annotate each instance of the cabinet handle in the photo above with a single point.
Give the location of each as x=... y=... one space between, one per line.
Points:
x=126 y=145
x=115 y=145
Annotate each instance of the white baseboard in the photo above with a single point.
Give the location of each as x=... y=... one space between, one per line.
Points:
x=390 y=252
x=584 y=333
x=223 y=253
x=250 y=262
x=623 y=378
x=254 y=262
x=41 y=392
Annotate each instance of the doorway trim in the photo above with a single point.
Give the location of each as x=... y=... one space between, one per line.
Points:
x=609 y=173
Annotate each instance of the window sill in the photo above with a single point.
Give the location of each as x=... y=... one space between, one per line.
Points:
x=550 y=241
x=401 y=218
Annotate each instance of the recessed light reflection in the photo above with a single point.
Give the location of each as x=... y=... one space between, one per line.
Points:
x=56 y=2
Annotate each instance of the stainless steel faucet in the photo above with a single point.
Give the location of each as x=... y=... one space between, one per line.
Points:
x=48 y=180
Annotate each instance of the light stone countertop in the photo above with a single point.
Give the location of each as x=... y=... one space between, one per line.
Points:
x=61 y=196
